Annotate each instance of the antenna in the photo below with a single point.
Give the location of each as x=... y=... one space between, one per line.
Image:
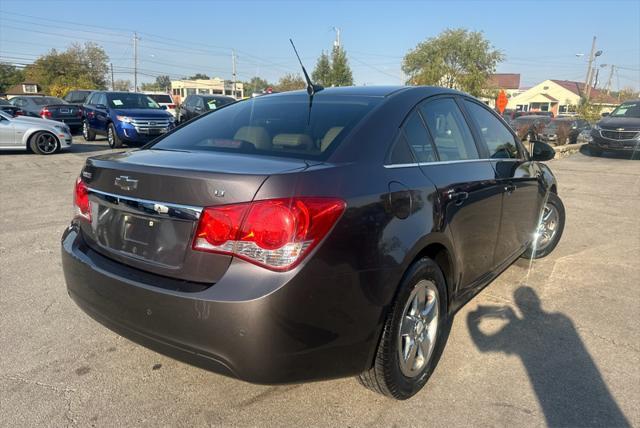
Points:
x=311 y=87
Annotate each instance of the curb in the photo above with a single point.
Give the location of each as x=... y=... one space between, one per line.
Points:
x=567 y=149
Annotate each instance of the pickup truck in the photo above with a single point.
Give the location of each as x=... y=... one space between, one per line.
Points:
x=125 y=118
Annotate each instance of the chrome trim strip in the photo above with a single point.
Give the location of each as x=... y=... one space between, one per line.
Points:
x=408 y=165
x=148 y=207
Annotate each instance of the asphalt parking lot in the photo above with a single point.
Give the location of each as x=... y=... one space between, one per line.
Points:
x=571 y=359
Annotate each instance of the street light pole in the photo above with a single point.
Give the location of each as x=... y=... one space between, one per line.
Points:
x=587 y=81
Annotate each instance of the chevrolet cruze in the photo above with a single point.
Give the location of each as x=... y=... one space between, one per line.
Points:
x=290 y=238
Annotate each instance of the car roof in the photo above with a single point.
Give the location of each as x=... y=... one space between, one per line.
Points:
x=373 y=91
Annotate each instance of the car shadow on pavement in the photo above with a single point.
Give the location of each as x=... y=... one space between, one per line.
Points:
x=565 y=379
x=611 y=155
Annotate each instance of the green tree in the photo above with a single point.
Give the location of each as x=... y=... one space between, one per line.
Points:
x=122 y=85
x=198 y=76
x=322 y=73
x=79 y=67
x=162 y=84
x=290 y=82
x=341 y=74
x=9 y=76
x=256 y=84
x=457 y=58
x=626 y=94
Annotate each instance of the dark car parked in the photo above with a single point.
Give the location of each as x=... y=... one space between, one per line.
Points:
x=125 y=118
x=78 y=96
x=563 y=130
x=9 y=108
x=618 y=131
x=529 y=127
x=51 y=108
x=195 y=105
x=283 y=239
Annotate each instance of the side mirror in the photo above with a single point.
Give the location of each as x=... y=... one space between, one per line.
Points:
x=101 y=106
x=542 y=151
x=605 y=114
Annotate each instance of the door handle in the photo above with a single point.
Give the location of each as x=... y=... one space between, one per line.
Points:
x=510 y=188
x=458 y=197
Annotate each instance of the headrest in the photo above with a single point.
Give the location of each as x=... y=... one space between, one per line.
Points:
x=256 y=135
x=328 y=138
x=298 y=141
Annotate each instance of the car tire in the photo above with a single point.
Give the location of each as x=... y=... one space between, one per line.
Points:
x=391 y=374
x=44 y=143
x=553 y=224
x=112 y=137
x=595 y=151
x=87 y=132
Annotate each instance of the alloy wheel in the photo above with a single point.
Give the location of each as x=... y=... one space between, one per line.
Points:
x=418 y=329
x=548 y=227
x=47 y=143
x=110 y=137
x=85 y=130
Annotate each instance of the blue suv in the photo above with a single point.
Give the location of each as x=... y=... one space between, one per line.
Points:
x=124 y=117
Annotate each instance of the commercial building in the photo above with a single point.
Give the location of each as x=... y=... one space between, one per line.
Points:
x=180 y=89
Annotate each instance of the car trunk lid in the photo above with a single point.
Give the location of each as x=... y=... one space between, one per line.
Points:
x=145 y=205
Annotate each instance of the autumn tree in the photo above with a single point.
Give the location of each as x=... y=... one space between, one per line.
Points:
x=198 y=76
x=456 y=58
x=162 y=83
x=122 y=85
x=256 y=84
x=290 y=82
x=78 y=67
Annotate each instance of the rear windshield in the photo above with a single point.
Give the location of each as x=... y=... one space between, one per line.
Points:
x=274 y=126
x=161 y=98
x=131 y=100
x=212 y=103
x=43 y=101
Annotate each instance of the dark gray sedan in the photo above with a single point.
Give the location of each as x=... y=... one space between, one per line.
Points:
x=51 y=108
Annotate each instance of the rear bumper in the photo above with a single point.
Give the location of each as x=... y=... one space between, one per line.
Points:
x=280 y=329
x=72 y=123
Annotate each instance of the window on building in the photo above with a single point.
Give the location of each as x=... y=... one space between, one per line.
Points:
x=203 y=91
x=30 y=89
x=191 y=91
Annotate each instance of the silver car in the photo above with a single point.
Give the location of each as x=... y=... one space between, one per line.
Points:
x=41 y=136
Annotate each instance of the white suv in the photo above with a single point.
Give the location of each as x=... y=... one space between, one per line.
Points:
x=163 y=99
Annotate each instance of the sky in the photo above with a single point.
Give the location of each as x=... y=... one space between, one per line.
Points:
x=540 y=40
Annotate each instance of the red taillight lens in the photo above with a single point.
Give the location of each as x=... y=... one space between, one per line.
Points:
x=171 y=106
x=45 y=113
x=274 y=233
x=81 y=204
x=79 y=112
x=19 y=113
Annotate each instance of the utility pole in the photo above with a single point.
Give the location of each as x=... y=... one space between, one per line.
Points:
x=587 y=82
x=113 y=85
x=135 y=62
x=609 y=79
x=336 y=43
x=233 y=70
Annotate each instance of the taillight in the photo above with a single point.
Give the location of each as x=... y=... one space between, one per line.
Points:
x=79 y=112
x=171 y=106
x=81 y=205
x=45 y=113
x=275 y=233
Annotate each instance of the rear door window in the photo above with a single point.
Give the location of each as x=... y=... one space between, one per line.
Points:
x=449 y=130
x=418 y=138
x=496 y=137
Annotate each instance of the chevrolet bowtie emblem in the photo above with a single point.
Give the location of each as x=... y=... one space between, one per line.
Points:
x=126 y=183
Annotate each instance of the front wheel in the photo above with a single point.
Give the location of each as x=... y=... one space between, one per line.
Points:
x=44 y=143
x=112 y=137
x=595 y=151
x=550 y=228
x=414 y=334
x=87 y=132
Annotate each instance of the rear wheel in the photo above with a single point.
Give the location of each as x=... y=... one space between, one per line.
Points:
x=549 y=230
x=112 y=137
x=414 y=334
x=44 y=143
x=87 y=133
